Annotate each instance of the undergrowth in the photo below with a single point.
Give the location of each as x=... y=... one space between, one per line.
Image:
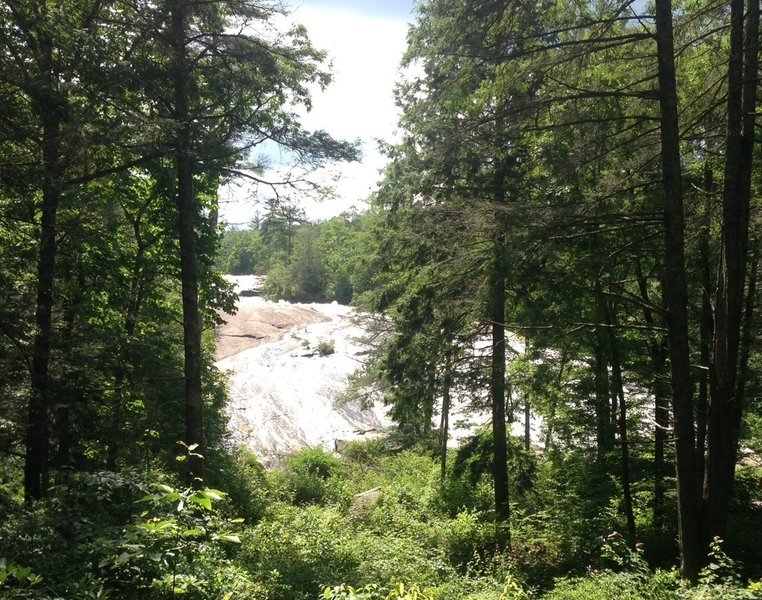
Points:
x=376 y=524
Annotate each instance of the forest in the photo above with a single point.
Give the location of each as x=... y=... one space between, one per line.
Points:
x=566 y=233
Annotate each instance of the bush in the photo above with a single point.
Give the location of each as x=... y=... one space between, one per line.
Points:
x=364 y=452
x=296 y=552
x=468 y=539
x=326 y=347
x=175 y=546
x=394 y=591
x=398 y=554
x=243 y=478
x=125 y=536
x=312 y=476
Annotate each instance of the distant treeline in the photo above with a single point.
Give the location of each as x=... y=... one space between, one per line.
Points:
x=304 y=261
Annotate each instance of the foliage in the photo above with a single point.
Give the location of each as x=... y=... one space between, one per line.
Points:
x=720 y=578
x=474 y=459
x=522 y=193
x=395 y=591
x=311 y=476
x=17 y=581
x=172 y=546
x=127 y=536
x=242 y=252
x=304 y=261
x=135 y=535
x=295 y=551
x=326 y=347
x=630 y=577
x=244 y=480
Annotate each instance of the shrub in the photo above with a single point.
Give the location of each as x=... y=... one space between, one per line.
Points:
x=17 y=581
x=295 y=552
x=398 y=555
x=326 y=347
x=175 y=546
x=312 y=476
x=720 y=579
x=364 y=452
x=467 y=538
x=125 y=536
x=243 y=478
x=394 y=591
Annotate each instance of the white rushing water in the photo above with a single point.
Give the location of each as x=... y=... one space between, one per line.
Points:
x=283 y=394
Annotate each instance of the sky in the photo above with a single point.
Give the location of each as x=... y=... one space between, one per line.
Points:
x=365 y=40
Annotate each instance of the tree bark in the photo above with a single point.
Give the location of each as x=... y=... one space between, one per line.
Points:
x=445 y=423
x=748 y=324
x=676 y=299
x=725 y=409
x=604 y=431
x=706 y=327
x=657 y=351
x=37 y=432
x=497 y=389
x=618 y=388
x=554 y=403
x=187 y=217
x=131 y=316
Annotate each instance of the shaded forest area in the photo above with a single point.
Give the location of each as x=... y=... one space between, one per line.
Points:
x=566 y=232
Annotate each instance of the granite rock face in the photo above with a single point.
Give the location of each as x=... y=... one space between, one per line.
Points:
x=284 y=391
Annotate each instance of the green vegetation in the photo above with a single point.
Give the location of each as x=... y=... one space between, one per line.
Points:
x=317 y=533
x=327 y=261
x=566 y=233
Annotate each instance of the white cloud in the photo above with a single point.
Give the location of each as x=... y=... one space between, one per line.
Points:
x=365 y=53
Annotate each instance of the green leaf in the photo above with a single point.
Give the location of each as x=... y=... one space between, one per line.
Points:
x=214 y=494
x=191 y=532
x=202 y=500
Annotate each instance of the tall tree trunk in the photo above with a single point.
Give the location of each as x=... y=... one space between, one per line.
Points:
x=554 y=403
x=445 y=423
x=618 y=383
x=725 y=409
x=706 y=327
x=604 y=431
x=428 y=400
x=527 y=424
x=132 y=313
x=676 y=298
x=67 y=393
x=187 y=216
x=497 y=388
x=748 y=324
x=37 y=431
x=657 y=351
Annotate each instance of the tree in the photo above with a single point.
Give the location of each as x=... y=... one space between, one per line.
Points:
x=89 y=108
x=567 y=91
x=48 y=124
x=248 y=107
